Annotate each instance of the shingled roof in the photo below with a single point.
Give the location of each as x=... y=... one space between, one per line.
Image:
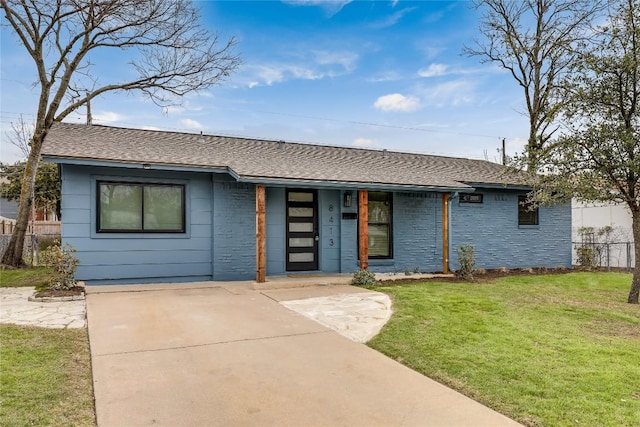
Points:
x=255 y=159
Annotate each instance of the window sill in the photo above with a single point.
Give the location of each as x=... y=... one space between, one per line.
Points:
x=529 y=227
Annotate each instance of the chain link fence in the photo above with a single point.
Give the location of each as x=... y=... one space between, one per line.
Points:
x=606 y=247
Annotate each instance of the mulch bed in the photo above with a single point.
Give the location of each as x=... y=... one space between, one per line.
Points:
x=53 y=293
x=488 y=276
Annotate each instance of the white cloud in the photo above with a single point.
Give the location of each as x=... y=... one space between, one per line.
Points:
x=392 y=19
x=397 y=102
x=345 y=59
x=387 y=76
x=454 y=92
x=331 y=7
x=324 y=64
x=364 y=142
x=107 y=117
x=191 y=124
x=433 y=70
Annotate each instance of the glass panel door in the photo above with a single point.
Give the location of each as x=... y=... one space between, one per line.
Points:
x=302 y=230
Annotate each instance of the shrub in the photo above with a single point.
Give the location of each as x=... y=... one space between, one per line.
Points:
x=586 y=256
x=467 y=261
x=64 y=266
x=363 y=278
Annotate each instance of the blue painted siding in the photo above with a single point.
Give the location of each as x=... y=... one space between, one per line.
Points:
x=329 y=224
x=492 y=228
x=276 y=237
x=417 y=231
x=234 y=229
x=138 y=257
x=219 y=242
x=349 y=235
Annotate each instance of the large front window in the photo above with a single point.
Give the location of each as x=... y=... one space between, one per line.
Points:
x=380 y=236
x=140 y=208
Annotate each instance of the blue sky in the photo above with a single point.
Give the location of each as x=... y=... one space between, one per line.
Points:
x=372 y=74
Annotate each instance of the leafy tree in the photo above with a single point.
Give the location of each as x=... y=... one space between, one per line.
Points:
x=47 y=185
x=597 y=158
x=533 y=40
x=162 y=41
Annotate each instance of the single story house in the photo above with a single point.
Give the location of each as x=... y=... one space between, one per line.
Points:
x=154 y=206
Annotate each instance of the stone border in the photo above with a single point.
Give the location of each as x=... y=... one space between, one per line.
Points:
x=34 y=298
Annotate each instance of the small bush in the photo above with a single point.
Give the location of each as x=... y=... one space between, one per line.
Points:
x=467 y=261
x=586 y=256
x=64 y=266
x=363 y=278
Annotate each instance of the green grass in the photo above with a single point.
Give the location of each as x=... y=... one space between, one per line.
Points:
x=18 y=277
x=554 y=350
x=45 y=377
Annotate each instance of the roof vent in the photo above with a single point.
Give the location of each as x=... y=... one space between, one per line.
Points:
x=201 y=139
x=384 y=152
x=281 y=144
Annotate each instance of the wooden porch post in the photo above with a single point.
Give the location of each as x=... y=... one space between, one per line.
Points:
x=363 y=228
x=261 y=247
x=445 y=233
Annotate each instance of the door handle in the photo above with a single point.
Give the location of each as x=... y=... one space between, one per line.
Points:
x=316 y=238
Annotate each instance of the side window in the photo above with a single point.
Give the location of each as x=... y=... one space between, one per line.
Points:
x=125 y=207
x=380 y=233
x=471 y=198
x=527 y=214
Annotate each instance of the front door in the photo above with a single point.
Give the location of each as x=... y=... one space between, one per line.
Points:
x=302 y=230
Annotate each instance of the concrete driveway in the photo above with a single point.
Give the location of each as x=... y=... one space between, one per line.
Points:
x=227 y=355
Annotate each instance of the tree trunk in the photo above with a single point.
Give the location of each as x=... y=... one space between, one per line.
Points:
x=13 y=254
x=635 y=284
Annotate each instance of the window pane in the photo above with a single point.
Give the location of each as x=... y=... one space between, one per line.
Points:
x=300 y=197
x=120 y=207
x=301 y=257
x=525 y=215
x=301 y=242
x=304 y=212
x=379 y=240
x=378 y=212
x=163 y=207
x=301 y=227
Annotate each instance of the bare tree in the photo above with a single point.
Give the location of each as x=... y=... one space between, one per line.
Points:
x=534 y=41
x=20 y=135
x=169 y=50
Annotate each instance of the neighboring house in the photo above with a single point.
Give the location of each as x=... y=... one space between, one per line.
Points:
x=588 y=221
x=150 y=206
x=8 y=208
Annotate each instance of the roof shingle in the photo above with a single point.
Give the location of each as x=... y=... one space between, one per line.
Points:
x=260 y=159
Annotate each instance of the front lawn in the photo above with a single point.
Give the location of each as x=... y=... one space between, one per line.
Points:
x=18 y=277
x=45 y=377
x=548 y=350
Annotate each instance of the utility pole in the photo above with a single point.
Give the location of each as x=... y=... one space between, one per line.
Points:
x=504 y=153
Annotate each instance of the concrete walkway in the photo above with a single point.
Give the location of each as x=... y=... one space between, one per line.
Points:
x=229 y=355
x=16 y=308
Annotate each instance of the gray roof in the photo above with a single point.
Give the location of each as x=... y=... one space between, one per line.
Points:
x=255 y=159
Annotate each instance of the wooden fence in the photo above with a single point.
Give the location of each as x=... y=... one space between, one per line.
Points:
x=34 y=227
